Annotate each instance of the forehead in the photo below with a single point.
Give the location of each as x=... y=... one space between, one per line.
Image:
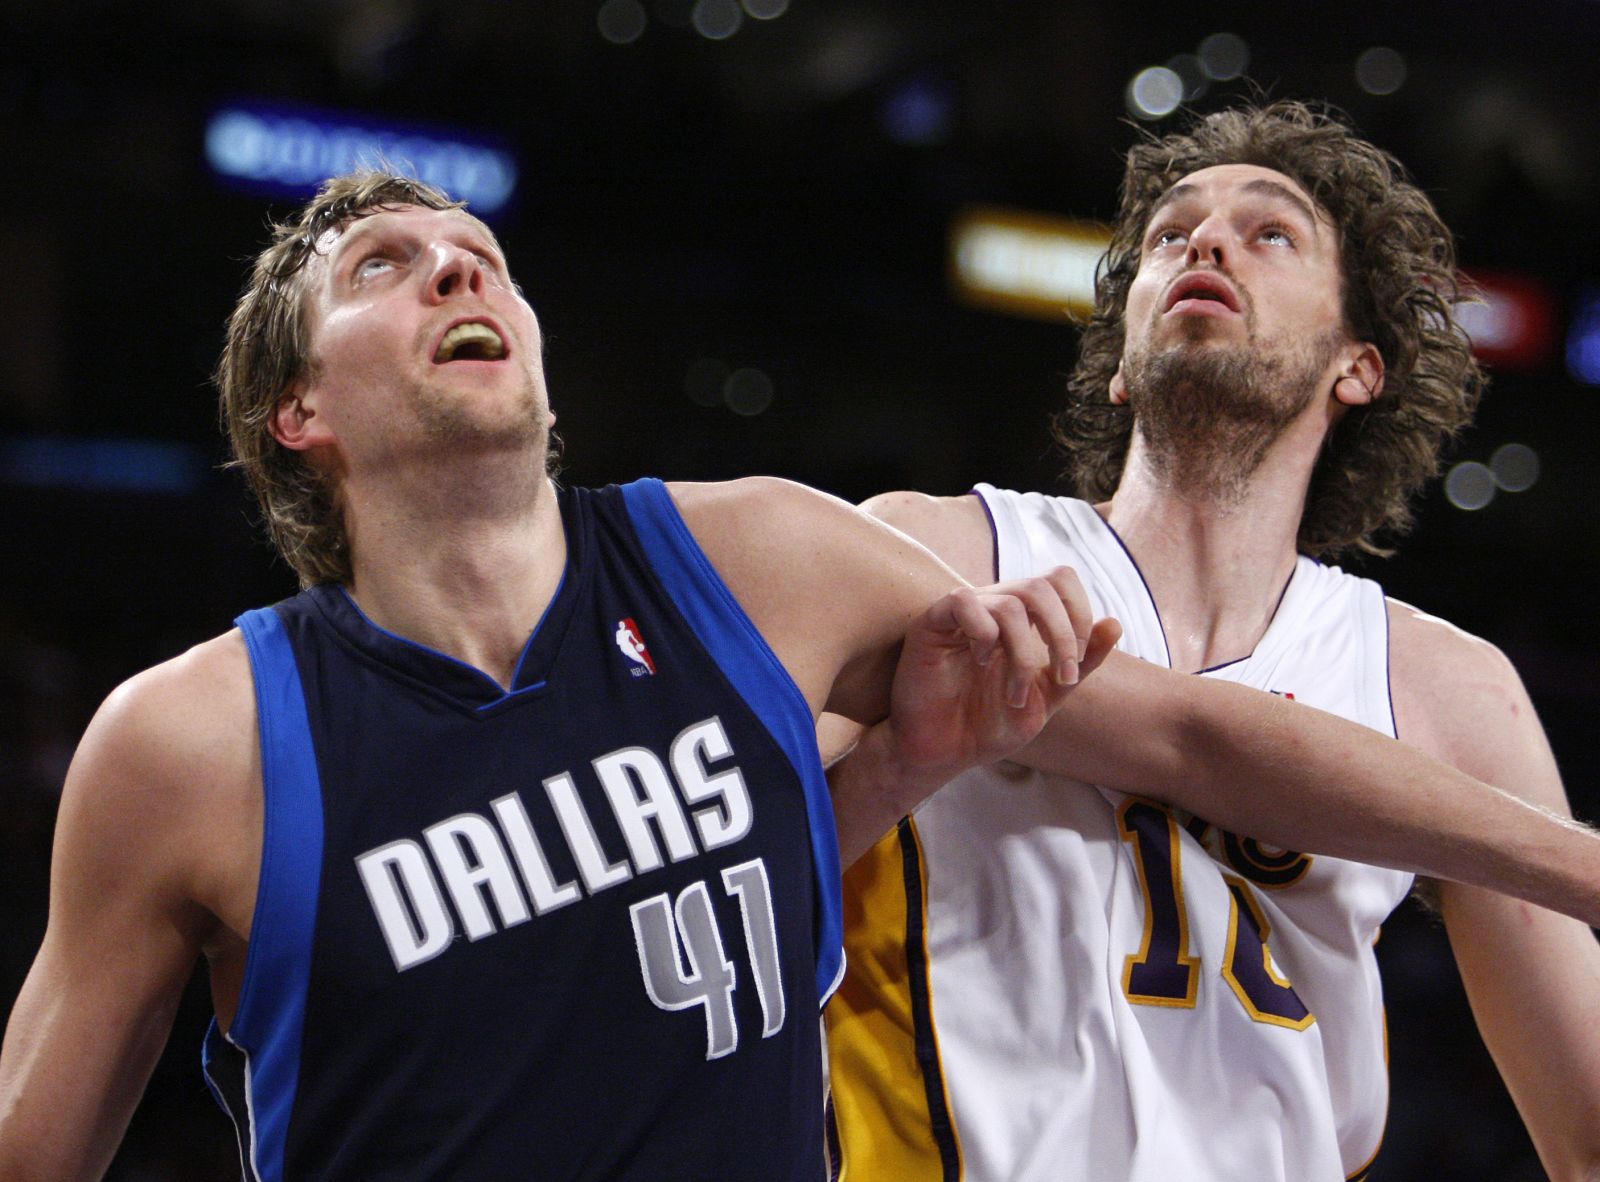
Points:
x=1226 y=182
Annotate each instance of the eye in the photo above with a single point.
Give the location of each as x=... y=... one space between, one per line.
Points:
x=1168 y=236
x=372 y=265
x=1276 y=236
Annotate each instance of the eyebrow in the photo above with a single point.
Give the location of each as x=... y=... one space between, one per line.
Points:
x=1261 y=186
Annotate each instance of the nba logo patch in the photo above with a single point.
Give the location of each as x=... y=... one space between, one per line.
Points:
x=632 y=645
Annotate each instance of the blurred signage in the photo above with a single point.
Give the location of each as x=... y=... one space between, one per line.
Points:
x=288 y=151
x=1513 y=325
x=101 y=465
x=1026 y=263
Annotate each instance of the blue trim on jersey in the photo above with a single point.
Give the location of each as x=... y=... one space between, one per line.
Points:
x=272 y=1002
x=527 y=646
x=742 y=653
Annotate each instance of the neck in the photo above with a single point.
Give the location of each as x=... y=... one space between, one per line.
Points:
x=1216 y=558
x=463 y=557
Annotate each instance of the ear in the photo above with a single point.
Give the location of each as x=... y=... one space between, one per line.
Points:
x=1360 y=379
x=294 y=420
x=1119 y=388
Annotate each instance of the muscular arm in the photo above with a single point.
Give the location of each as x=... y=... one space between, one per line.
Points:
x=1533 y=977
x=835 y=594
x=126 y=924
x=1280 y=771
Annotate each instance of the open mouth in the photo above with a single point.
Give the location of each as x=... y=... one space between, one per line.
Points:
x=470 y=342
x=1202 y=288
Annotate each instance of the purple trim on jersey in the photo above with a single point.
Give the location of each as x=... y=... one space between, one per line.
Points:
x=272 y=1001
x=1388 y=672
x=941 y=1125
x=516 y=674
x=994 y=530
x=1150 y=595
x=739 y=649
x=1270 y=620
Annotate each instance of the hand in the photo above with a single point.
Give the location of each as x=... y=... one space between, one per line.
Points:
x=984 y=668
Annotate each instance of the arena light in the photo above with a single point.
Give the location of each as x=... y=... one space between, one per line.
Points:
x=1026 y=263
x=280 y=151
x=1513 y=325
x=1583 y=339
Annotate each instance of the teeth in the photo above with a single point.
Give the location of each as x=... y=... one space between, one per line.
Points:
x=483 y=340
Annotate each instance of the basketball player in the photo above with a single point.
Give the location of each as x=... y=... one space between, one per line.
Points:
x=1049 y=983
x=480 y=904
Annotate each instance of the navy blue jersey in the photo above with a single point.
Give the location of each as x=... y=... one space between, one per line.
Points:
x=577 y=930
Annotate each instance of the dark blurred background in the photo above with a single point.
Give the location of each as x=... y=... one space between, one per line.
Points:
x=734 y=219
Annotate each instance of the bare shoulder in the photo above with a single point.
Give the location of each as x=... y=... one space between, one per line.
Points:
x=1456 y=695
x=756 y=512
x=827 y=585
x=170 y=756
x=180 y=715
x=955 y=528
x=774 y=535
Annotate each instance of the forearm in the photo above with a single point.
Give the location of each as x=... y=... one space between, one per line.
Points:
x=1299 y=778
x=871 y=791
x=69 y=1081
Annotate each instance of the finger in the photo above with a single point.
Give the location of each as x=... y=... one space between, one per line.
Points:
x=1059 y=609
x=964 y=612
x=1076 y=600
x=1064 y=619
x=1026 y=656
x=1102 y=640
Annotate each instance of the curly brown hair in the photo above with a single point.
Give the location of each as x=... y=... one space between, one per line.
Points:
x=1399 y=276
x=269 y=347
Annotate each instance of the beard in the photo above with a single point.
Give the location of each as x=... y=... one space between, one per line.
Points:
x=447 y=418
x=1207 y=417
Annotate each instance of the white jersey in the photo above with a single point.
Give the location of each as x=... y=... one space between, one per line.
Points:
x=1096 y=987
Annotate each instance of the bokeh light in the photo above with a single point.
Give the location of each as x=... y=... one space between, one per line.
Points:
x=717 y=20
x=747 y=391
x=1469 y=485
x=1154 y=93
x=1224 y=56
x=1380 y=70
x=622 y=22
x=766 y=10
x=1515 y=467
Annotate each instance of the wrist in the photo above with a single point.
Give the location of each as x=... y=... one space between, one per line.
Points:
x=892 y=774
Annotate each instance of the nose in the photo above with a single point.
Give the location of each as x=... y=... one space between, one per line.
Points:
x=1210 y=242
x=456 y=272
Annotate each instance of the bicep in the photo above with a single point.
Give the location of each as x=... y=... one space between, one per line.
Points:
x=832 y=589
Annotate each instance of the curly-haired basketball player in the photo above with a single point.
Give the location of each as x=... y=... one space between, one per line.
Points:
x=1100 y=987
